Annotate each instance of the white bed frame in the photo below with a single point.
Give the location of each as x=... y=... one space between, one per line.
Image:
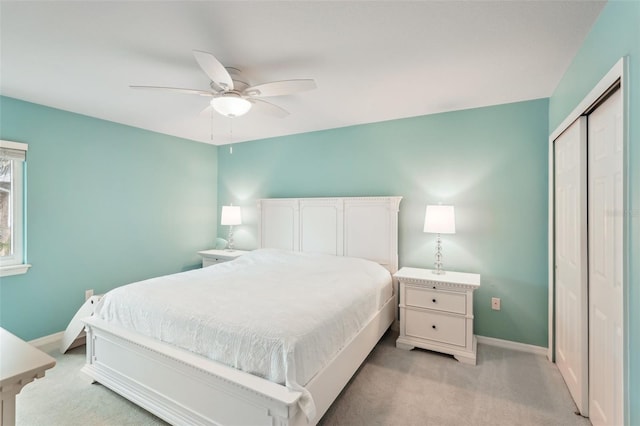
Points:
x=184 y=388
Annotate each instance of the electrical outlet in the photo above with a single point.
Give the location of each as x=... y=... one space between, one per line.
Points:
x=495 y=303
x=88 y=294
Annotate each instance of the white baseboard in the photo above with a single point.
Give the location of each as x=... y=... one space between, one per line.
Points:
x=50 y=340
x=516 y=346
x=56 y=339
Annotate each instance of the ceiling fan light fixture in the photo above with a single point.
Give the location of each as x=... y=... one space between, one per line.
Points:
x=231 y=105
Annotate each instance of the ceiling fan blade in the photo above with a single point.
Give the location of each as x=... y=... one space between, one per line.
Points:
x=208 y=110
x=268 y=108
x=214 y=69
x=280 y=88
x=175 y=89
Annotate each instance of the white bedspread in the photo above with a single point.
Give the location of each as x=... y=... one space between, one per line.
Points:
x=275 y=314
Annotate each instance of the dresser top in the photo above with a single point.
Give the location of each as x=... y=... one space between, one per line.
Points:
x=427 y=275
x=20 y=360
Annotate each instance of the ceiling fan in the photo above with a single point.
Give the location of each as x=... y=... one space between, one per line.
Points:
x=232 y=97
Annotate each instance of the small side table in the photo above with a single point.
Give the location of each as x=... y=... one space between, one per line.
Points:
x=211 y=257
x=436 y=312
x=20 y=364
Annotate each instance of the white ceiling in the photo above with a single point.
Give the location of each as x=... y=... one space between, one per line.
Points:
x=372 y=61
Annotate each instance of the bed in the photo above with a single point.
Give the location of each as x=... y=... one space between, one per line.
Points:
x=184 y=386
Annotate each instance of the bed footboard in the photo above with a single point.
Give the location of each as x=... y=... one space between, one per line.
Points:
x=181 y=387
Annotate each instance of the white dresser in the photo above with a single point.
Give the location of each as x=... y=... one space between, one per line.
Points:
x=436 y=312
x=20 y=364
x=211 y=257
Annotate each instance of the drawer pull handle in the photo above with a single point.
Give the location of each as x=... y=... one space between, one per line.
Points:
x=433 y=326
x=433 y=300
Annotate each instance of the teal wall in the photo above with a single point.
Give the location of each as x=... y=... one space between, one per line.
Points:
x=107 y=204
x=491 y=163
x=615 y=34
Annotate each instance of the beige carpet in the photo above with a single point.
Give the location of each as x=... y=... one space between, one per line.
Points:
x=393 y=387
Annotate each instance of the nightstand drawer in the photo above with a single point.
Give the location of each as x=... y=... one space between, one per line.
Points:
x=429 y=325
x=211 y=261
x=440 y=300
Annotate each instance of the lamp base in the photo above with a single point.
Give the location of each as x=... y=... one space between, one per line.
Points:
x=230 y=244
x=438 y=262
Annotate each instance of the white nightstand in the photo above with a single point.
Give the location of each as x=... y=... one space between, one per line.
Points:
x=211 y=257
x=436 y=312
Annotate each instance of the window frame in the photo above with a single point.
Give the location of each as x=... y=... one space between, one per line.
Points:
x=15 y=263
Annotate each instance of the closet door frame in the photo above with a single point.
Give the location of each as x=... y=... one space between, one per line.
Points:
x=618 y=72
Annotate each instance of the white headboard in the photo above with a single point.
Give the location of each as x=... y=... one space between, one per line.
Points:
x=365 y=227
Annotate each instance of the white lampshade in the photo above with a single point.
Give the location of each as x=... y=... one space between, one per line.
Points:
x=440 y=220
x=231 y=215
x=231 y=105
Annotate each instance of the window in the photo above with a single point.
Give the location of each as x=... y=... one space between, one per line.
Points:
x=12 y=236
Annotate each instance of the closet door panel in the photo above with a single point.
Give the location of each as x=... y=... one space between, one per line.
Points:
x=571 y=260
x=605 y=262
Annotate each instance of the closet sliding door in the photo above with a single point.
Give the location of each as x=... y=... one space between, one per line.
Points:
x=605 y=141
x=570 y=218
x=588 y=247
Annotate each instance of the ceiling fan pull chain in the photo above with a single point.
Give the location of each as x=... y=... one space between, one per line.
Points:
x=230 y=135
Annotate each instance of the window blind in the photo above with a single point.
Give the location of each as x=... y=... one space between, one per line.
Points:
x=13 y=150
x=12 y=154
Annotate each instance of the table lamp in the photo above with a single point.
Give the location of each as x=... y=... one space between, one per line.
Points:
x=439 y=220
x=231 y=215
